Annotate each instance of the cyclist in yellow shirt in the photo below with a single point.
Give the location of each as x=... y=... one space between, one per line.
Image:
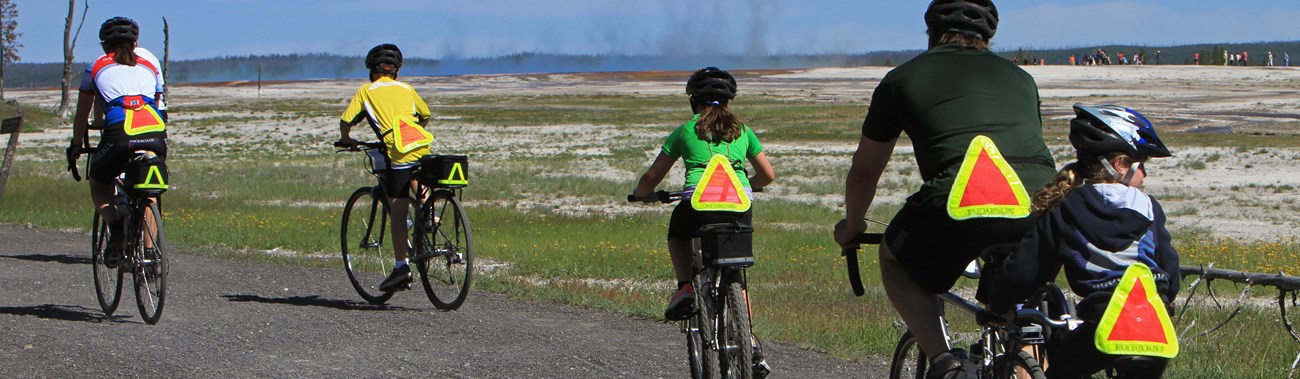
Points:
x=398 y=116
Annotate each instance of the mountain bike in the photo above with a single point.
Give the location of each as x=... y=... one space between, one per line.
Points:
x=718 y=336
x=441 y=245
x=997 y=351
x=143 y=250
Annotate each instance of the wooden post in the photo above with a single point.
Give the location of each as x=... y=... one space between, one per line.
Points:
x=10 y=126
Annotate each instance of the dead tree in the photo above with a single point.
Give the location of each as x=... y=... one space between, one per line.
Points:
x=69 y=44
x=8 y=38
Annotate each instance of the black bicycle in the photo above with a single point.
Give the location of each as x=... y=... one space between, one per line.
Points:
x=441 y=246
x=718 y=334
x=998 y=351
x=143 y=252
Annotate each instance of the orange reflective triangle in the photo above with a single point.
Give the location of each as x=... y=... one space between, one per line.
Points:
x=1138 y=320
x=1135 y=321
x=408 y=135
x=986 y=185
x=142 y=120
x=719 y=188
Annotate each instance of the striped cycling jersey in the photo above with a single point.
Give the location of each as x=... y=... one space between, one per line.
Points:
x=113 y=82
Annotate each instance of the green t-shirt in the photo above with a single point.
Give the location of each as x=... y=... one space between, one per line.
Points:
x=945 y=97
x=695 y=153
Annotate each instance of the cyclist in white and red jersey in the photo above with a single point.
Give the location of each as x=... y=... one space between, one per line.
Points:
x=122 y=87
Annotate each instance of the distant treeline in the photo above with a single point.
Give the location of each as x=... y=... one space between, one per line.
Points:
x=331 y=66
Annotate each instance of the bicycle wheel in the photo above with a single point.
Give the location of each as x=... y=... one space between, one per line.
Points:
x=108 y=281
x=736 y=350
x=700 y=338
x=446 y=259
x=1017 y=366
x=365 y=223
x=909 y=361
x=150 y=254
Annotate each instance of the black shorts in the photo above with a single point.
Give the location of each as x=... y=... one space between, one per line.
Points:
x=397 y=182
x=110 y=158
x=934 y=249
x=686 y=221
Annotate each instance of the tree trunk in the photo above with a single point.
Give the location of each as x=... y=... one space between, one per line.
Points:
x=67 y=61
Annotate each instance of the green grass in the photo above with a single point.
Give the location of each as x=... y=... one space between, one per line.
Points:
x=548 y=179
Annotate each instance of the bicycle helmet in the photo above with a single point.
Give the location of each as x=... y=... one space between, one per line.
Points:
x=711 y=84
x=972 y=17
x=384 y=53
x=119 y=29
x=1097 y=130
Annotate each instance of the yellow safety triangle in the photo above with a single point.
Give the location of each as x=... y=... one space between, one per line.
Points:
x=456 y=176
x=1135 y=321
x=153 y=180
x=719 y=188
x=986 y=185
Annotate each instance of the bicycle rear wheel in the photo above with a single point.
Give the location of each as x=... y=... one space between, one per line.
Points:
x=700 y=337
x=151 y=268
x=908 y=362
x=108 y=281
x=446 y=251
x=365 y=224
x=735 y=350
x=1018 y=365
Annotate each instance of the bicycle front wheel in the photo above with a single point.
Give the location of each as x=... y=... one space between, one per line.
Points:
x=736 y=349
x=446 y=251
x=365 y=224
x=108 y=281
x=909 y=361
x=150 y=263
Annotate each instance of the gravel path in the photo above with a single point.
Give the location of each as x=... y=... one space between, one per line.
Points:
x=233 y=318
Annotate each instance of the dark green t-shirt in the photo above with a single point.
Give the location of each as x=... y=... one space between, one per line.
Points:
x=695 y=153
x=945 y=97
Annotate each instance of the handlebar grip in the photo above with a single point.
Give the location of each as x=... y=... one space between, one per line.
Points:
x=342 y=145
x=855 y=275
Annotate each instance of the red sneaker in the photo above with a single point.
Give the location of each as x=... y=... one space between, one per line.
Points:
x=682 y=304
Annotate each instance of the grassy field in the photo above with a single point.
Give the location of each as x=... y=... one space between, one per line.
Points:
x=549 y=175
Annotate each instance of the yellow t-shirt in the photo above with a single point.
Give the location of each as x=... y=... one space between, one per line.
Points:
x=382 y=102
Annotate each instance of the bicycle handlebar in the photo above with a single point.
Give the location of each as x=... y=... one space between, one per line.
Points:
x=359 y=146
x=850 y=255
x=660 y=196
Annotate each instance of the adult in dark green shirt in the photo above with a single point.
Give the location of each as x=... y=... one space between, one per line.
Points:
x=954 y=99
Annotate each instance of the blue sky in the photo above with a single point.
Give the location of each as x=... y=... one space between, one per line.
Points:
x=480 y=28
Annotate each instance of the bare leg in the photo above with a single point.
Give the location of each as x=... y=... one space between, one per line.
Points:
x=683 y=258
x=919 y=308
x=102 y=195
x=397 y=208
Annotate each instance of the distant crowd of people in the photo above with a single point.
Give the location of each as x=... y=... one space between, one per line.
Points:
x=1101 y=57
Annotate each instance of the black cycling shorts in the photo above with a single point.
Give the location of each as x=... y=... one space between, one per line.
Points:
x=110 y=158
x=934 y=248
x=397 y=182
x=686 y=221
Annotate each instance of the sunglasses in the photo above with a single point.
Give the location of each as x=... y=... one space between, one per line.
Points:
x=1140 y=167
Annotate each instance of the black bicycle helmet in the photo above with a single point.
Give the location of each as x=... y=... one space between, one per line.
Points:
x=384 y=53
x=1097 y=130
x=711 y=84
x=979 y=17
x=119 y=29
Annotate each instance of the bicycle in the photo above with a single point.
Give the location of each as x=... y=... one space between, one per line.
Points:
x=1000 y=351
x=718 y=335
x=441 y=245
x=138 y=191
